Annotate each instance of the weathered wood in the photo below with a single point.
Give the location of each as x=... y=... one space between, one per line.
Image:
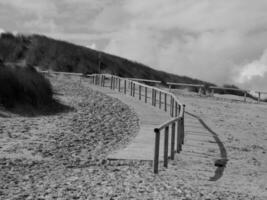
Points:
x=111 y=82
x=144 y=80
x=172 y=140
x=165 y=102
x=140 y=91
x=155 y=98
x=171 y=106
x=125 y=86
x=145 y=94
x=156 y=151
x=133 y=89
x=166 y=147
x=159 y=99
x=152 y=97
x=176 y=109
x=178 y=139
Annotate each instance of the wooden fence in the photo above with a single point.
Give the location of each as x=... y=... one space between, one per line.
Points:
x=162 y=99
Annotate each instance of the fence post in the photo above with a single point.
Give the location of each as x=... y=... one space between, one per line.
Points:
x=140 y=90
x=159 y=99
x=145 y=94
x=111 y=82
x=183 y=125
x=172 y=140
x=259 y=98
x=119 y=84
x=104 y=79
x=179 y=133
x=171 y=100
x=166 y=147
x=176 y=109
x=165 y=102
x=133 y=89
x=152 y=97
x=125 y=85
x=155 y=98
x=245 y=96
x=156 y=151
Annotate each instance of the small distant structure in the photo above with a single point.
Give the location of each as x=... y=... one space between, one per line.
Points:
x=259 y=95
x=200 y=87
x=229 y=89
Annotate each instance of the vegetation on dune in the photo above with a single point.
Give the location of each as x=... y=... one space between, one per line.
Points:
x=24 y=87
x=57 y=55
x=47 y=53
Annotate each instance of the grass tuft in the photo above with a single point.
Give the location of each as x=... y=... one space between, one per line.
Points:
x=25 y=87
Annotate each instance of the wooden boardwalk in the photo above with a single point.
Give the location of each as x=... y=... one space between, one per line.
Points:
x=199 y=141
x=142 y=146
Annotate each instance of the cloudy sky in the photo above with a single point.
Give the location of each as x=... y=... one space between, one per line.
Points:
x=214 y=40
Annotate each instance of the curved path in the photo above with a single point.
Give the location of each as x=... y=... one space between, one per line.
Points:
x=200 y=141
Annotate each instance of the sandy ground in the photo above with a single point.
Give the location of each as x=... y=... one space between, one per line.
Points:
x=63 y=156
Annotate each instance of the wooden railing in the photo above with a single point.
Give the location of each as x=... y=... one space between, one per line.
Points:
x=162 y=99
x=157 y=98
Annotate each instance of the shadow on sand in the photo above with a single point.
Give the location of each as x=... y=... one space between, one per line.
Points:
x=219 y=163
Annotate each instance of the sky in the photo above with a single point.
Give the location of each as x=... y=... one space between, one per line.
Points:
x=212 y=40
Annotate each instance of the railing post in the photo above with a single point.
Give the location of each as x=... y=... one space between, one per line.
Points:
x=104 y=79
x=133 y=89
x=156 y=151
x=125 y=85
x=159 y=99
x=176 y=109
x=155 y=98
x=152 y=97
x=165 y=102
x=171 y=106
x=140 y=91
x=166 y=147
x=111 y=81
x=183 y=125
x=179 y=134
x=245 y=96
x=172 y=140
x=259 y=97
x=145 y=94
x=119 y=84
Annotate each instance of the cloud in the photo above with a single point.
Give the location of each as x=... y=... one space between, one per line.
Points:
x=217 y=41
x=254 y=74
x=92 y=46
x=2 y=30
x=205 y=39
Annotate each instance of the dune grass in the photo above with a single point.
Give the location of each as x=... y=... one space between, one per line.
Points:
x=24 y=87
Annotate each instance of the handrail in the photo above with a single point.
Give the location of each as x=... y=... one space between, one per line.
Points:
x=144 y=80
x=175 y=107
x=158 y=96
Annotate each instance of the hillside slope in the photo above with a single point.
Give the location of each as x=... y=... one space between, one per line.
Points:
x=57 y=55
